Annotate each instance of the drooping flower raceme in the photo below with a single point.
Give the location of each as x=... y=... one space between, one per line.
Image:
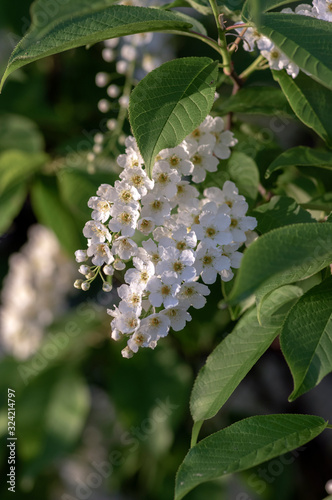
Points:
x=35 y=291
x=277 y=60
x=188 y=238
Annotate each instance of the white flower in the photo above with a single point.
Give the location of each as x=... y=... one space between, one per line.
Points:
x=186 y=195
x=181 y=239
x=165 y=180
x=213 y=229
x=101 y=208
x=201 y=135
x=250 y=36
x=146 y=225
x=132 y=295
x=124 y=247
x=137 y=177
x=209 y=262
x=141 y=274
x=137 y=340
x=177 y=316
x=128 y=319
x=96 y=231
x=177 y=158
x=126 y=194
x=100 y=253
x=156 y=208
x=150 y=252
x=203 y=161
x=81 y=255
x=156 y=325
x=124 y=220
x=305 y=9
x=160 y=293
x=108 y=270
x=131 y=159
x=176 y=266
x=126 y=352
x=276 y=59
x=323 y=9
x=224 y=139
x=192 y=294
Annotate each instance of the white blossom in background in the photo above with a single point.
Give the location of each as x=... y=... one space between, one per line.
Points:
x=320 y=9
x=165 y=236
x=35 y=291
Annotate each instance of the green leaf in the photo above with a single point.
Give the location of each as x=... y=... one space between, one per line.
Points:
x=278 y=212
x=18 y=132
x=11 y=202
x=170 y=102
x=301 y=157
x=256 y=100
x=50 y=211
x=310 y=321
x=311 y=102
x=81 y=23
x=322 y=202
x=17 y=166
x=232 y=359
x=312 y=53
x=282 y=256
x=244 y=172
x=254 y=8
x=243 y=445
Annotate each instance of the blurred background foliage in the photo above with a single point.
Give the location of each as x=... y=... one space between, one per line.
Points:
x=90 y=424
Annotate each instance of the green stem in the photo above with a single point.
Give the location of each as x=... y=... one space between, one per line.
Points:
x=194 y=433
x=328 y=427
x=253 y=66
x=226 y=57
x=193 y=34
x=123 y=109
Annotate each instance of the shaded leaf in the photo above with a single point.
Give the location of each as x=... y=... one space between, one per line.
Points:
x=243 y=445
x=50 y=211
x=311 y=53
x=17 y=166
x=244 y=172
x=232 y=359
x=310 y=101
x=278 y=212
x=81 y=23
x=301 y=157
x=18 y=132
x=282 y=256
x=10 y=205
x=311 y=321
x=256 y=100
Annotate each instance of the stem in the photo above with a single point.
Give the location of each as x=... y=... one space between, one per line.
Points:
x=328 y=427
x=226 y=58
x=250 y=69
x=236 y=26
x=193 y=34
x=194 y=433
x=123 y=110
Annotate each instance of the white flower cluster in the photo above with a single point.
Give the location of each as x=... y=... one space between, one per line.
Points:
x=320 y=9
x=34 y=292
x=188 y=237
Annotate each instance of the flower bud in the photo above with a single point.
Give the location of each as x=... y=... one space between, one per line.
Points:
x=107 y=287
